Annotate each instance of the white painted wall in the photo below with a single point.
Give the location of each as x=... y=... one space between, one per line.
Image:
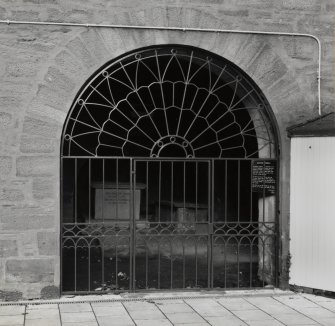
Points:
x=312 y=216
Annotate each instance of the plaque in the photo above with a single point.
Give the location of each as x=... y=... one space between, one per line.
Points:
x=264 y=177
x=114 y=203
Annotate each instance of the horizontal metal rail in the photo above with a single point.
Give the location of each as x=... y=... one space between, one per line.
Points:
x=183 y=29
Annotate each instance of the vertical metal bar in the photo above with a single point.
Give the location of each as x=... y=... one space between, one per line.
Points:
x=89 y=268
x=147 y=191
x=103 y=221
x=238 y=263
x=172 y=185
x=225 y=190
x=238 y=189
x=251 y=196
x=61 y=222
x=146 y=264
x=225 y=261
x=159 y=263
x=263 y=192
x=116 y=263
x=209 y=221
x=75 y=267
x=184 y=190
x=196 y=261
x=183 y=242
x=171 y=263
x=159 y=190
x=117 y=188
x=251 y=264
x=89 y=190
x=103 y=190
x=75 y=190
x=213 y=220
x=196 y=191
x=132 y=257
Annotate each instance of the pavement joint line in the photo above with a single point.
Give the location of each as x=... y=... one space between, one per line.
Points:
x=195 y=311
x=60 y=315
x=243 y=321
x=128 y=313
x=315 y=303
x=164 y=312
x=96 y=319
x=73 y=300
x=264 y=311
x=299 y=312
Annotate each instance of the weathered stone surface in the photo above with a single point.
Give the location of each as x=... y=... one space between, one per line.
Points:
x=27 y=218
x=29 y=271
x=8 y=248
x=47 y=243
x=5 y=119
x=11 y=195
x=21 y=69
x=58 y=80
x=78 y=49
x=34 y=126
x=5 y=166
x=36 y=166
x=10 y=295
x=50 y=292
x=44 y=188
x=36 y=145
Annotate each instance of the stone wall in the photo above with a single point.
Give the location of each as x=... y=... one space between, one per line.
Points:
x=42 y=68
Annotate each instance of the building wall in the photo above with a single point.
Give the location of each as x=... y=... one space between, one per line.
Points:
x=43 y=67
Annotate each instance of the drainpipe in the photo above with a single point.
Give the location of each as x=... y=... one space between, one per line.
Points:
x=184 y=29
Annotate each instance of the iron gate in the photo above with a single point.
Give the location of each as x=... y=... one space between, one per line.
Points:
x=132 y=224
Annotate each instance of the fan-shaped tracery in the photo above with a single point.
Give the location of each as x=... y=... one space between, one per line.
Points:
x=165 y=102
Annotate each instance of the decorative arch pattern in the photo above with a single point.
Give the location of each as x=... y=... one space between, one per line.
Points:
x=170 y=101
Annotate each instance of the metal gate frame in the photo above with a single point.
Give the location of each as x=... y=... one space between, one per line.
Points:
x=273 y=229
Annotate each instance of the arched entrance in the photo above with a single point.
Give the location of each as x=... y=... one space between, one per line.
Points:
x=169 y=176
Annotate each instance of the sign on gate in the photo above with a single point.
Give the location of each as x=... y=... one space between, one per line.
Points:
x=264 y=177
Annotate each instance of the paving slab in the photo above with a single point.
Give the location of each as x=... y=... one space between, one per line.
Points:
x=158 y=322
x=77 y=317
x=11 y=310
x=75 y=307
x=226 y=321
x=214 y=310
x=185 y=318
x=12 y=320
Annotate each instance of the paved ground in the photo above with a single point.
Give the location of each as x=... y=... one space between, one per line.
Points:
x=261 y=309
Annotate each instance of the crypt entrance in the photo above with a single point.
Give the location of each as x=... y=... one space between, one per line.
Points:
x=169 y=169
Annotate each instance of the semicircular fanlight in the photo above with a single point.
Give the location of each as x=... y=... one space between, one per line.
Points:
x=170 y=102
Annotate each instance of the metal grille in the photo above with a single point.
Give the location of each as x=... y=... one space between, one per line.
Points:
x=168 y=177
x=163 y=101
x=165 y=224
